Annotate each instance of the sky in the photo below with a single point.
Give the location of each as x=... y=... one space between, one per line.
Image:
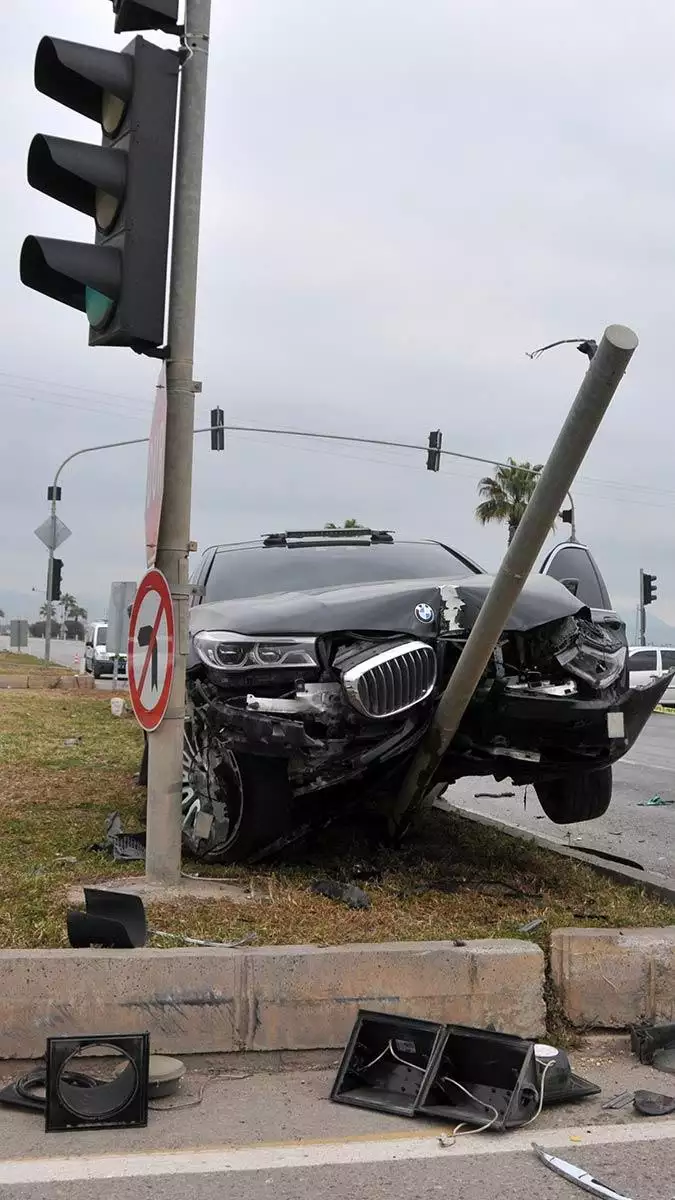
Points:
x=400 y=200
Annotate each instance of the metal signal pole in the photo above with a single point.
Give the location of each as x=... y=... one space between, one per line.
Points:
x=165 y=759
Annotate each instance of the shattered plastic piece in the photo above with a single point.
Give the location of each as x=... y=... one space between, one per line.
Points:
x=577 y=1175
x=652 y=1104
x=111 y=919
x=347 y=893
x=620 y=1101
x=530 y=926
x=655 y=802
x=451 y=607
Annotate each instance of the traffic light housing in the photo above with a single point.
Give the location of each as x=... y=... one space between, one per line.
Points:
x=648 y=589
x=434 y=451
x=217 y=429
x=124 y=184
x=146 y=14
x=57 y=569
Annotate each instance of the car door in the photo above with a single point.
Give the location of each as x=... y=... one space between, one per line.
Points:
x=668 y=664
x=643 y=665
x=573 y=565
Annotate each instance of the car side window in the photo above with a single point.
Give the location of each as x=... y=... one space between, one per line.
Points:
x=668 y=659
x=642 y=660
x=574 y=567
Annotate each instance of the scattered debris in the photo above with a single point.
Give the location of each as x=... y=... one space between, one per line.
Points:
x=655 y=802
x=476 y=1077
x=530 y=926
x=247 y=940
x=111 y=919
x=654 y=1045
x=346 y=893
x=620 y=1101
x=124 y=847
x=576 y=1175
x=651 y=1104
x=117 y=1101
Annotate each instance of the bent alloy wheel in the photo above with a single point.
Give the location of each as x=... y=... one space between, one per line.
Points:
x=233 y=805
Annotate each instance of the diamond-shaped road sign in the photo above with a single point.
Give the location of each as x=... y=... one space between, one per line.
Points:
x=52 y=533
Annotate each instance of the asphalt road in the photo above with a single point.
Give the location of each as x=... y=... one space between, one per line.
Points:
x=629 y=828
x=279 y=1135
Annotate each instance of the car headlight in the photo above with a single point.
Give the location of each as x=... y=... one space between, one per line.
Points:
x=235 y=652
x=597 y=661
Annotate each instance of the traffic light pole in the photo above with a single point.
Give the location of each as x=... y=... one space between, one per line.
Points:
x=641 y=610
x=165 y=758
x=50 y=577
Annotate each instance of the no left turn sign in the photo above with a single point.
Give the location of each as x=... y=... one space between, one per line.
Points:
x=151 y=650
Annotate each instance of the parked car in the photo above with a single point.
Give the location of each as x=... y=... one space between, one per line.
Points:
x=648 y=663
x=316 y=660
x=98 y=660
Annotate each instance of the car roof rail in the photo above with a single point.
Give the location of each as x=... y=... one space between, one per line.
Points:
x=325 y=537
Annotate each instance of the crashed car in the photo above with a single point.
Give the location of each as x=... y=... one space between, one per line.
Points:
x=316 y=660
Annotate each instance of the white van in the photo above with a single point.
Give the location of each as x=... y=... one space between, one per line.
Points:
x=646 y=663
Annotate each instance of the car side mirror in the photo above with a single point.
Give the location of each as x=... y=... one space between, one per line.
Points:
x=572 y=585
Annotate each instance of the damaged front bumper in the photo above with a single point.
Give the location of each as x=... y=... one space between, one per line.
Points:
x=544 y=736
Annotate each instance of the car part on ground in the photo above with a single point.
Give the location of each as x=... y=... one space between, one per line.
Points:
x=317 y=659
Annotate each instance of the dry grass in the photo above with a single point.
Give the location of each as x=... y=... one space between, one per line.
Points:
x=453 y=879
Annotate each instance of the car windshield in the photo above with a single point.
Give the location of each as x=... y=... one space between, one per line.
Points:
x=265 y=570
x=101 y=635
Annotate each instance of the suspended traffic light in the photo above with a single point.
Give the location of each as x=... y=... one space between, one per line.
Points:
x=124 y=185
x=434 y=451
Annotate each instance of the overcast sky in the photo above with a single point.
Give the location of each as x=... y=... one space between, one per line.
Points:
x=400 y=200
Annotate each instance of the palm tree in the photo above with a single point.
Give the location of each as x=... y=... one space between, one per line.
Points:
x=350 y=523
x=504 y=496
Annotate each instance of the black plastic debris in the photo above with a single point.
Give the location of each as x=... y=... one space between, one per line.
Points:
x=560 y=1082
x=481 y=1078
x=118 y=1101
x=123 y=847
x=386 y=1061
x=654 y=1045
x=652 y=1104
x=115 y=920
x=30 y=1091
x=456 y=1073
x=346 y=893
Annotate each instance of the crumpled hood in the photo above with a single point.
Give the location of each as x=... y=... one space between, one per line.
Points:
x=400 y=606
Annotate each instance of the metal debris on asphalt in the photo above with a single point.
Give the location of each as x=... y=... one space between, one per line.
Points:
x=577 y=1175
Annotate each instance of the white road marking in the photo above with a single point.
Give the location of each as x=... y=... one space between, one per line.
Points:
x=319 y=1154
x=633 y=762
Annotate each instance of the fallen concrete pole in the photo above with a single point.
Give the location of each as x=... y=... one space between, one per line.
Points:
x=593 y=398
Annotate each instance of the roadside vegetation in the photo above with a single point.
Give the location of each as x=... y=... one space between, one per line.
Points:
x=66 y=763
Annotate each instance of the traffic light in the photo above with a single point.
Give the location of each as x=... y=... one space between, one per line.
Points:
x=434 y=451
x=124 y=184
x=648 y=588
x=146 y=14
x=217 y=429
x=57 y=568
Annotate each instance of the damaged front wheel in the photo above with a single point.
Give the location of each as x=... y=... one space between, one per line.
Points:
x=577 y=797
x=232 y=804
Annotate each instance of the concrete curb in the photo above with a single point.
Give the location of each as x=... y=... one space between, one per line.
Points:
x=656 y=885
x=609 y=978
x=47 y=682
x=212 y=1000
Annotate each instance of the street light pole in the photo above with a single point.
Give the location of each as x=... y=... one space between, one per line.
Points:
x=165 y=744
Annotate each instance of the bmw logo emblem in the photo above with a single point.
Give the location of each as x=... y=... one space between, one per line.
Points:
x=424 y=613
